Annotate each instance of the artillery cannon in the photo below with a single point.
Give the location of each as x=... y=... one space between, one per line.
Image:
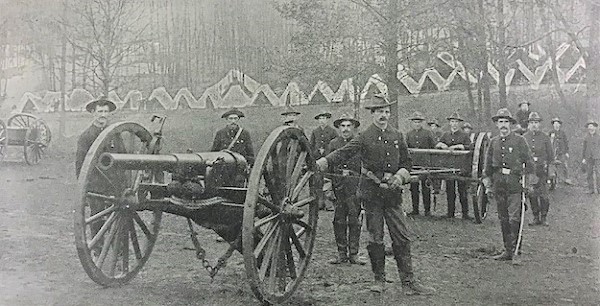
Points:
x=269 y=215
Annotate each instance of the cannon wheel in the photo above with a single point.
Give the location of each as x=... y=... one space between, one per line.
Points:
x=21 y=120
x=479 y=202
x=113 y=238
x=37 y=139
x=280 y=215
x=3 y=140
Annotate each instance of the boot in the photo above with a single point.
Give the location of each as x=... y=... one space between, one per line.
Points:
x=405 y=270
x=353 y=243
x=544 y=221
x=414 y=195
x=508 y=241
x=505 y=255
x=340 y=259
x=377 y=257
x=536 y=221
x=514 y=226
x=545 y=203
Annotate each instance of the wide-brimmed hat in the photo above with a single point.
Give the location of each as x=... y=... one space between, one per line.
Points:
x=434 y=121
x=289 y=110
x=534 y=116
x=555 y=119
x=233 y=111
x=346 y=117
x=378 y=101
x=523 y=102
x=467 y=125
x=323 y=114
x=592 y=122
x=504 y=113
x=91 y=106
x=417 y=116
x=455 y=116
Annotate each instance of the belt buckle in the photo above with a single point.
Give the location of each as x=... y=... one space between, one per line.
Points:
x=535 y=159
x=505 y=171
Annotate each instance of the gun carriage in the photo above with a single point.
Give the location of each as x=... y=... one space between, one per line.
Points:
x=26 y=131
x=269 y=216
x=462 y=165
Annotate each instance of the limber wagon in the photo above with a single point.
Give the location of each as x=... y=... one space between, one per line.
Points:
x=270 y=215
x=26 y=131
x=461 y=165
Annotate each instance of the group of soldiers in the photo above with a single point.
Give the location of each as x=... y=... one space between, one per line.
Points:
x=367 y=170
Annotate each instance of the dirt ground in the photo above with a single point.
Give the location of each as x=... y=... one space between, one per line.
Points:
x=39 y=265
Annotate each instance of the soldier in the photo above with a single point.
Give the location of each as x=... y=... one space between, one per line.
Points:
x=386 y=161
x=290 y=117
x=456 y=139
x=591 y=156
x=560 y=144
x=233 y=137
x=522 y=117
x=434 y=126
x=420 y=138
x=101 y=110
x=468 y=129
x=507 y=158
x=541 y=148
x=319 y=140
x=346 y=224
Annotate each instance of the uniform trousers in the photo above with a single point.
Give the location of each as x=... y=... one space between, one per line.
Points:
x=593 y=166
x=509 y=213
x=346 y=224
x=451 y=196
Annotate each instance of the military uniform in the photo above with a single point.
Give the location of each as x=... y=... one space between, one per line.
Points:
x=383 y=153
x=541 y=148
x=591 y=155
x=346 y=224
x=560 y=144
x=320 y=138
x=420 y=139
x=451 y=138
x=502 y=172
x=242 y=145
x=85 y=141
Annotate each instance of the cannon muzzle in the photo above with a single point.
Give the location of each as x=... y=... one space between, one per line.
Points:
x=196 y=162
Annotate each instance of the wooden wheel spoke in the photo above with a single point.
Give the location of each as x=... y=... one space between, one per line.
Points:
x=116 y=248
x=269 y=204
x=102 y=230
x=268 y=257
x=100 y=196
x=298 y=244
x=106 y=245
x=265 y=220
x=106 y=178
x=274 y=269
x=300 y=232
x=301 y=184
x=303 y=202
x=290 y=163
x=296 y=173
x=134 y=241
x=265 y=239
x=291 y=264
x=100 y=214
x=142 y=226
x=125 y=245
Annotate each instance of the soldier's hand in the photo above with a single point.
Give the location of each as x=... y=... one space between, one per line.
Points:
x=322 y=164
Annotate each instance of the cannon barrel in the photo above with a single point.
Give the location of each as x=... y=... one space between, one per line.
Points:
x=440 y=151
x=170 y=162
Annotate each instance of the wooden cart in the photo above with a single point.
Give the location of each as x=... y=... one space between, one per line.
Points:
x=26 y=131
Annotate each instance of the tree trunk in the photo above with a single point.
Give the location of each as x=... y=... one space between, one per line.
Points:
x=501 y=55
x=391 y=58
x=593 y=60
x=484 y=77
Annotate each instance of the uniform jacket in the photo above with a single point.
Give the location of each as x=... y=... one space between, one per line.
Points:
x=420 y=139
x=522 y=118
x=559 y=140
x=591 y=146
x=541 y=150
x=381 y=151
x=85 y=141
x=503 y=162
x=437 y=135
x=350 y=167
x=243 y=144
x=320 y=138
x=453 y=138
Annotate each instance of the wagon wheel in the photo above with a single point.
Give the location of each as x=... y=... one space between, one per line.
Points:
x=37 y=139
x=3 y=140
x=21 y=120
x=280 y=215
x=113 y=236
x=479 y=202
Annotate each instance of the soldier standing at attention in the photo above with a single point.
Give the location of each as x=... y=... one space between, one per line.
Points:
x=419 y=138
x=541 y=148
x=319 y=140
x=456 y=139
x=101 y=110
x=290 y=117
x=591 y=156
x=560 y=144
x=507 y=157
x=346 y=225
x=386 y=162
x=233 y=137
